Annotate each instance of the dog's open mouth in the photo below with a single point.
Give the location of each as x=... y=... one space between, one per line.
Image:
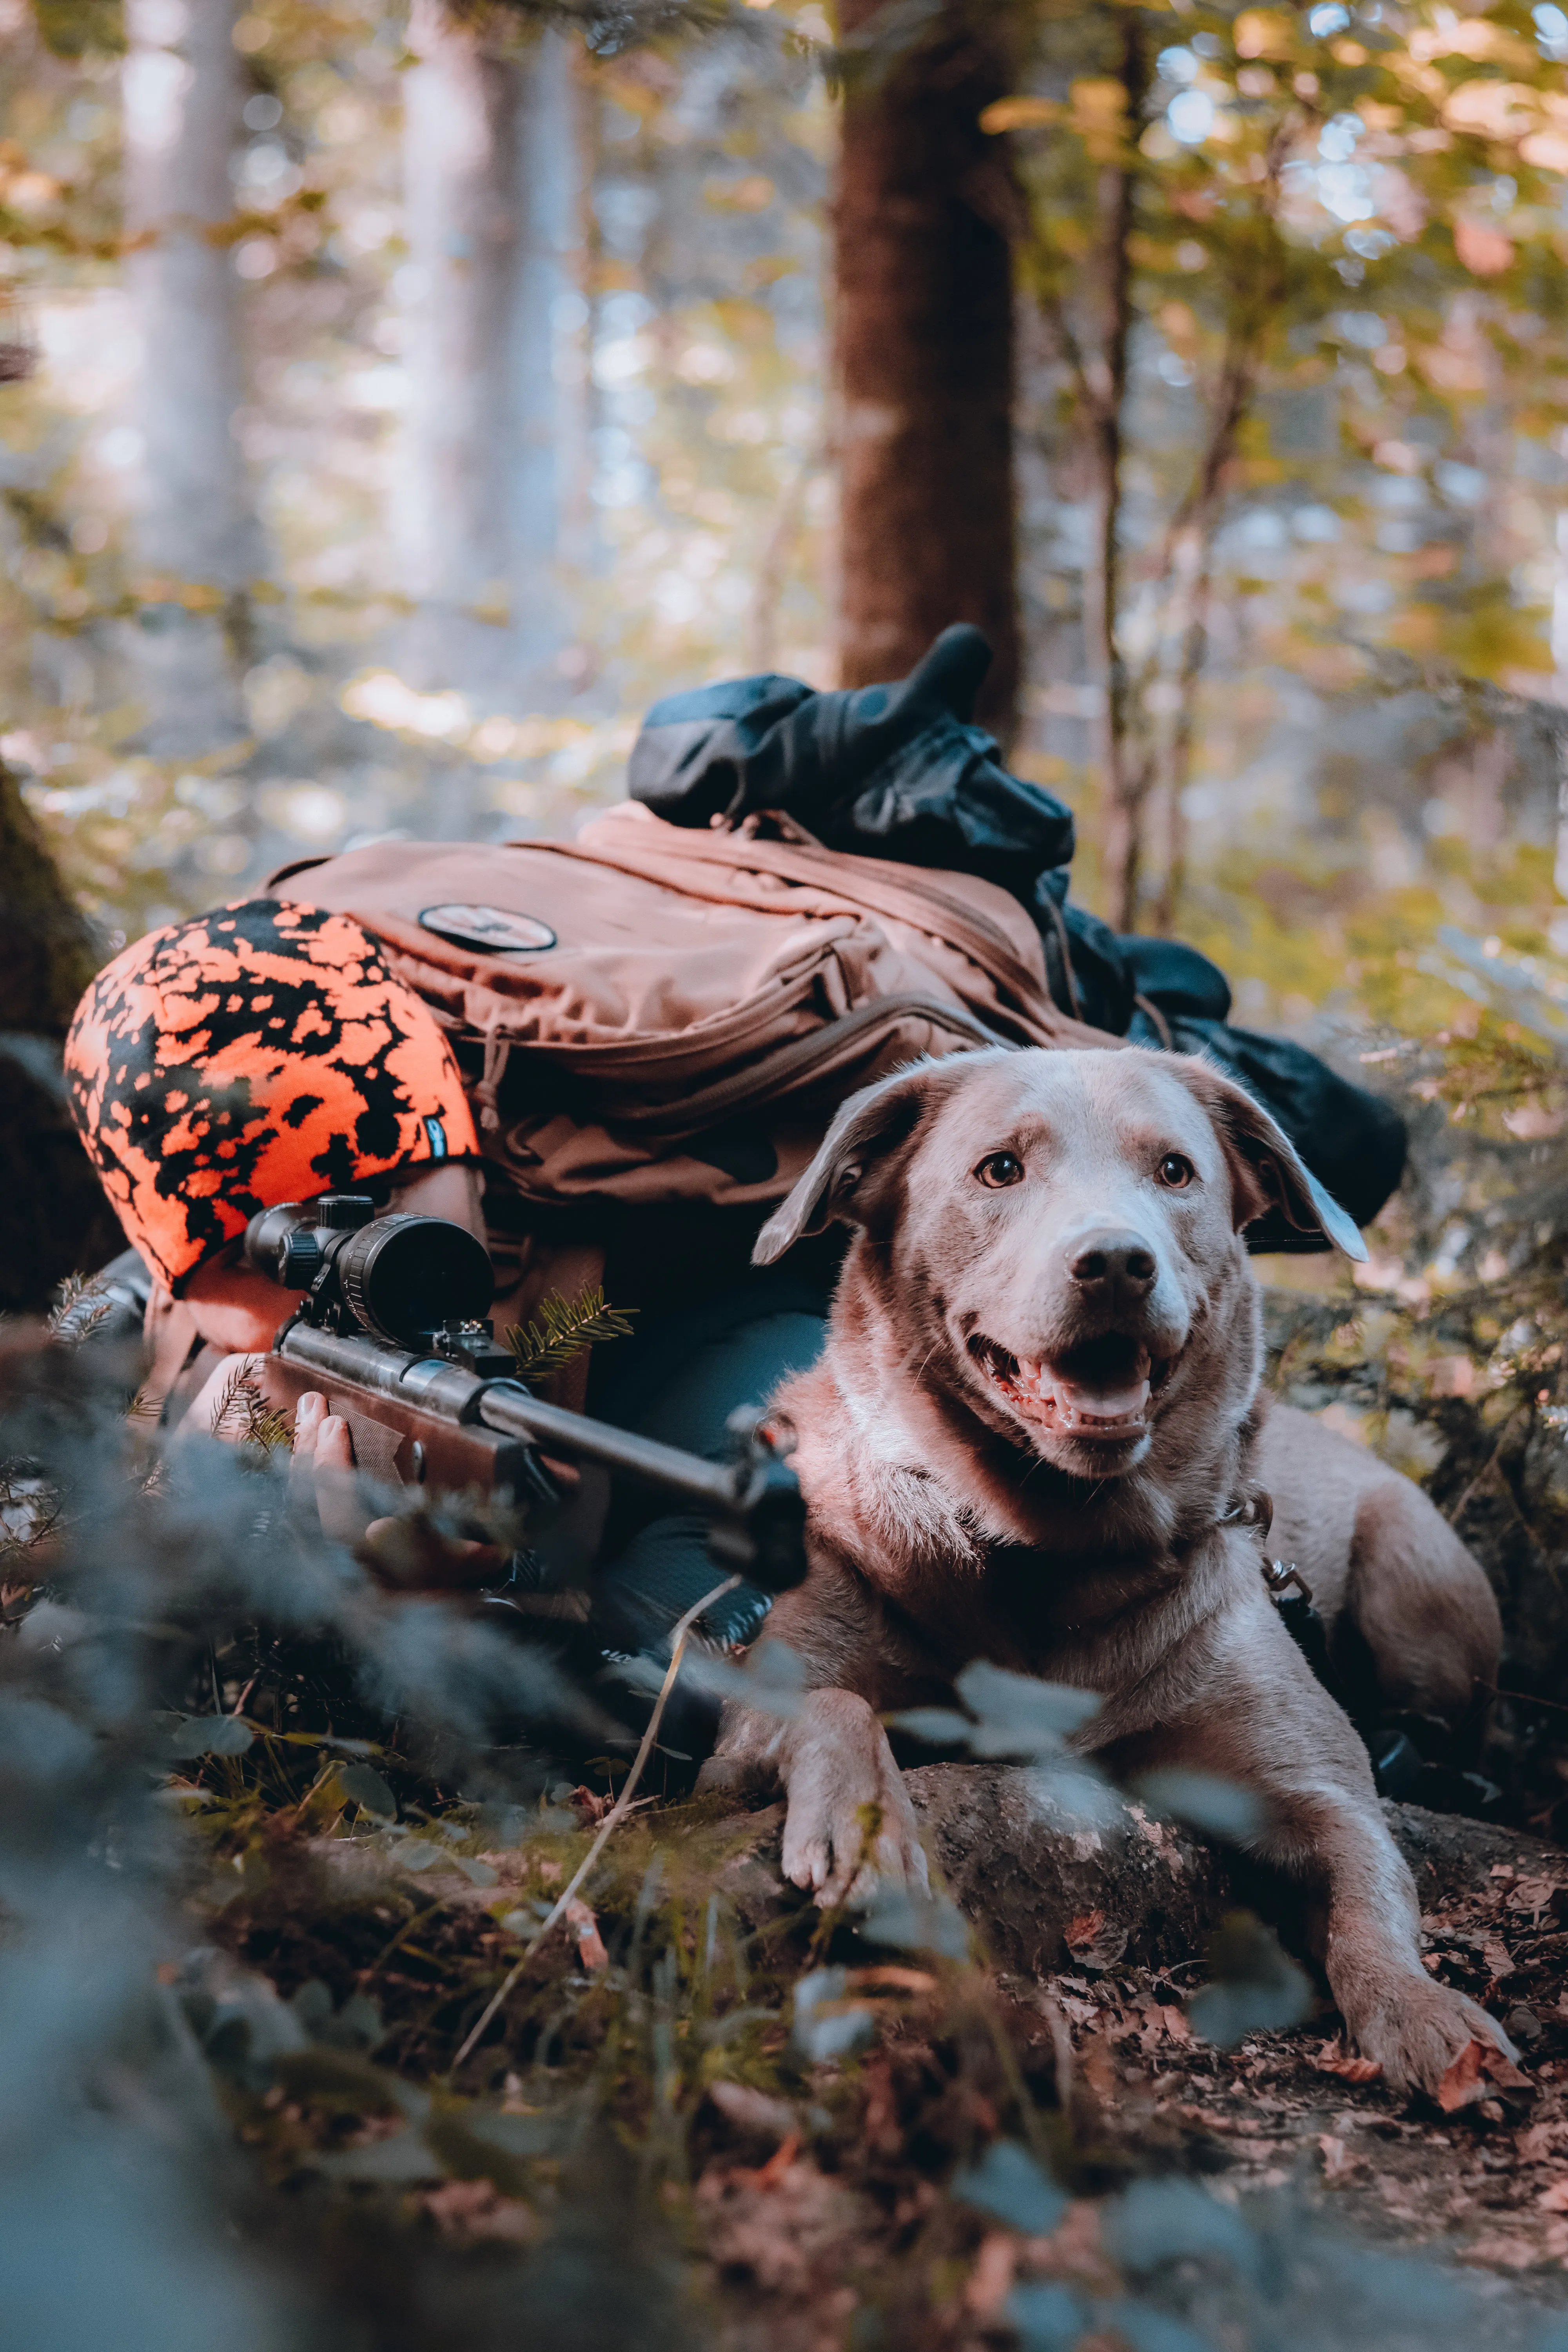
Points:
x=1098 y=1392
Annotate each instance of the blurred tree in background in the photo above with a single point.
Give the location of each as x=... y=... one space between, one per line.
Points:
x=1298 y=277
x=418 y=394
x=923 y=222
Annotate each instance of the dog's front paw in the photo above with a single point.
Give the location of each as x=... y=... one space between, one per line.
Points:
x=1416 y=2029
x=850 y=1822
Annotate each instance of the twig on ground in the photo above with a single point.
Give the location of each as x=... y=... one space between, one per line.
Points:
x=621 y=1806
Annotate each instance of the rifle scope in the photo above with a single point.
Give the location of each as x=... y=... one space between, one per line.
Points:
x=397 y=1278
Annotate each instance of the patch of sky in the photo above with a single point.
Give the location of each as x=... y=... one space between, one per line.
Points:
x=1550 y=30
x=1257 y=531
x=1329 y=17
x=1401 y=492
x=1466 y=485
x=1190 y=117
x=1337 y=138
x=1363 y=596
x=1344 y=190
x=1178 y=65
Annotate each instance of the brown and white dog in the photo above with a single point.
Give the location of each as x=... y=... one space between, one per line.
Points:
x=1024 y=1442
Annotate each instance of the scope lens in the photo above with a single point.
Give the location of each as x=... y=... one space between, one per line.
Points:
x=406 y=1275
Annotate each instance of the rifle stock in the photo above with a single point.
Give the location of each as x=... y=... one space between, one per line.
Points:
x=434 y=1423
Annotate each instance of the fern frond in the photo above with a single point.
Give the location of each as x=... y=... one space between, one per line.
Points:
x=565 y=1327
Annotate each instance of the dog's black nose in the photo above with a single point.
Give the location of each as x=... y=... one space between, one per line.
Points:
x=1116 y=1261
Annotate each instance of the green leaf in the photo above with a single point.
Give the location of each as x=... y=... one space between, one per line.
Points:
x=1256 y=1987
x=206 y=1735
x=480 y=1874
x=397 y=2161
x=1008 y=2185
x=367 y=1788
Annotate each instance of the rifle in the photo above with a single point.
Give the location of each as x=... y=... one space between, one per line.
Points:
x=393 y=1329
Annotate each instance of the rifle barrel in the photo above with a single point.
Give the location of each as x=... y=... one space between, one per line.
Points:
x=710 y=1485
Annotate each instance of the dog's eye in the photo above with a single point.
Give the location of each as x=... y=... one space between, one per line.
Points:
x=1175 y=1172
x=1000 y=1167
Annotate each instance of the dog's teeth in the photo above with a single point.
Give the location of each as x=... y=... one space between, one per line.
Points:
x=1087 y=1408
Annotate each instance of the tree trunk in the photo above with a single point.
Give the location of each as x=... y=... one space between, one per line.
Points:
x=1126 y=757
x=923 y=362
x=194 y=532
x=489 y=186
x=53 y=1218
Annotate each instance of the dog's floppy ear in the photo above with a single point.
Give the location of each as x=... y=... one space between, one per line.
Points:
x=1267 y=1170
x=866 y=1133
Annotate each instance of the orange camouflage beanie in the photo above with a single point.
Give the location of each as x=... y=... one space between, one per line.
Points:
x=260 y=1054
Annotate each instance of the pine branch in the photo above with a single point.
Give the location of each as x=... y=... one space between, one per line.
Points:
x=565 y=1327
x=80 y=1307
x=244 y=1414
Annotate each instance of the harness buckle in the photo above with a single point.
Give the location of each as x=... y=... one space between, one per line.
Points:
x=1279 y=1576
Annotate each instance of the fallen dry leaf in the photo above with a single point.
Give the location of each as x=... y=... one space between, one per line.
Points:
x=1348 y=2065
x=467 y=2209
x=1463 y=2081
x=769 y=2175
x=1092 y=1942
x=1163 y=2023
x=991 y=2280
x=1532 y=1894
x=1074 y=2250
x=1554 y=2200
x=585 y=1927
x=1498 y=2252
x=1478 y=2064
x=751 y=2110
x=1338 y=2161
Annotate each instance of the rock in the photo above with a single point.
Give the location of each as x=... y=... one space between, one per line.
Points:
x=1028 y=1882
x=1134 y=1891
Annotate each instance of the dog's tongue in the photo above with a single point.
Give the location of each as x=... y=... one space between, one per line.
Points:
x=1088 y=1409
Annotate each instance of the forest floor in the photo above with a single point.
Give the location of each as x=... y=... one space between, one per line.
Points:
x=815 y=2202
x=704 y=2113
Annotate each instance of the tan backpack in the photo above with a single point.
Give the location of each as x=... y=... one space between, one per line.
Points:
x=651 y=1014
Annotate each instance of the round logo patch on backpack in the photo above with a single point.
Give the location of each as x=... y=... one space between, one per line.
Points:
x=492 y=930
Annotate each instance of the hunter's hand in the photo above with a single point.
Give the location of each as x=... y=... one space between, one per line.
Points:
x=405 y=1553
x=322 y=1478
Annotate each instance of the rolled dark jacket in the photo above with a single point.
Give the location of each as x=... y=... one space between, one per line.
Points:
x=900 y=771
x=892 y=771
x=1354 y=1142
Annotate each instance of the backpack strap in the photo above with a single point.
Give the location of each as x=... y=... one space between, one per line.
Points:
x=906 y=894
